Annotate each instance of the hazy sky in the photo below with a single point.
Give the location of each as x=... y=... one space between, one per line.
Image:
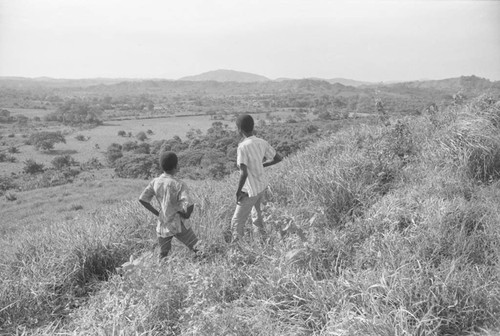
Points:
x=363 y=40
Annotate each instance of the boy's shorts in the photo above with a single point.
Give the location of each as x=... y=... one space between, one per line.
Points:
x=186 y=236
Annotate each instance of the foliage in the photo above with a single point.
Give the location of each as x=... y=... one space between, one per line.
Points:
x=6 y=183
x=4 y=157
x=142 y=148
x=137 y=166
x=75 y=112
x=63 y=161
x=113 y=153
x=81 y=137
x=13 y=150
x=48 y=178
x=129 y=146
x=91 y=164
x=213 y=155
x=32 y=167
x=45 y=140
x=10 y=196
x=141 y=136
x=4 y=116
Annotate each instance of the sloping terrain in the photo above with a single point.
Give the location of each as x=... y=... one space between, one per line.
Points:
x=389 y=229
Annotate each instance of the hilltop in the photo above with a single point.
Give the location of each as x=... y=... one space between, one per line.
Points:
x=224 y=82
x=472 y=84
x=226 y=76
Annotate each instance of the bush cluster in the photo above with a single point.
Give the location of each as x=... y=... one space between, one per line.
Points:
x=211 y=155
x=63 y=161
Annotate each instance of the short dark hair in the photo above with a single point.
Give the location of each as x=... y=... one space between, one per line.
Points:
x=244 y=122
x=168 y=160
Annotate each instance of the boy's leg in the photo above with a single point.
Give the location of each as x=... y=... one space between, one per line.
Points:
x=257 y=221
x=165 y=246
x=240 y=216
x=187 y=237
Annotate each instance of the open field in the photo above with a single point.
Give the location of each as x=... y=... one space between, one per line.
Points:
x=103 y=136
x=30 y=113
x=100 y=137
x=37 y=208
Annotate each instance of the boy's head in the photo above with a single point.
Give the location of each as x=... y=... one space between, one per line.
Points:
x=168 y=161
x=244 y=123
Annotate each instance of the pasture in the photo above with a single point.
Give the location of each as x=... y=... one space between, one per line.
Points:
x=100 y=137
x=30 y=113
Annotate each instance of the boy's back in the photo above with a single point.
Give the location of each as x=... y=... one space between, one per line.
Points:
x=175 y=206
x=251 y=152
x=253 y=182
x=173 y=196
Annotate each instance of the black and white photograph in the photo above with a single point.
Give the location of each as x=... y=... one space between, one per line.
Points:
x=249 y=167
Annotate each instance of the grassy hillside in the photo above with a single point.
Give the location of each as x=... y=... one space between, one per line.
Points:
x=389 y=229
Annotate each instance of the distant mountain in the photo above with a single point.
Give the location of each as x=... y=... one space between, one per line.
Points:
x=294 y=86
x=60 y=82
x=226 y=76
x=227 y=82
x=343 y=81
x=348 y=82
x=467 y=84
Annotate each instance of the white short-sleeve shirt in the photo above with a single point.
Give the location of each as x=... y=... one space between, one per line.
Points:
x=251 y=152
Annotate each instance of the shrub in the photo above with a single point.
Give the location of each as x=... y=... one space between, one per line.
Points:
x=63 y=161
x=142 y=148
x=137 y=166
x=31 y=167
x=4 y=157
x=472 y=142
x=141 y=136
x=6 y=183
x=113 y=153
x=46 y=140
x=92 y=163
x=10 y=196
x=81 y=137
x=190 y=158
x=13 y=150
x=129 y=146
x=75 y=207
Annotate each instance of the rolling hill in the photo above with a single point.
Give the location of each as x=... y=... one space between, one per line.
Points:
x=226 y=76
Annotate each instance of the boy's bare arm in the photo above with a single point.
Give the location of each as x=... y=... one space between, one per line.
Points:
x=277 y=158
x=148 y=206
x=241 y=183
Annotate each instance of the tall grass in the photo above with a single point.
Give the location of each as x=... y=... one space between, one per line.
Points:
x=398 y=235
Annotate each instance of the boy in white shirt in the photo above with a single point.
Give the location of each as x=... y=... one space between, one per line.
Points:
x=252 y=183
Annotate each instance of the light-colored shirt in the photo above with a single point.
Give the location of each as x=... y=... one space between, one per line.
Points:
x=173 y=195
x=251 y=152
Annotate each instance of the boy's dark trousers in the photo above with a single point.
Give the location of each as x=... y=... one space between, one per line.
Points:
x=186 y=236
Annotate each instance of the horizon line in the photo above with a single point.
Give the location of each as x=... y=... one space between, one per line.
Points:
x=270 y=79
